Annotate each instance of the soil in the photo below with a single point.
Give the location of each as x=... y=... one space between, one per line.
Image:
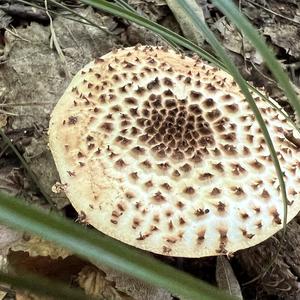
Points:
x=38 y=57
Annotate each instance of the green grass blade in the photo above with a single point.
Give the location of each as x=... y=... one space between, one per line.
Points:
x=232 y=69
x=99 y=248
x=124 y=4
x=175 y=38
x=232 y=12
x=125 y=13
x=184 y=42
x=43 y=286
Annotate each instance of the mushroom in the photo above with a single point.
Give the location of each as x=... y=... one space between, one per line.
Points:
x=162 y=152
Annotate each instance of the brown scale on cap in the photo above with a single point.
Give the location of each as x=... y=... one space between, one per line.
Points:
x=170 y=149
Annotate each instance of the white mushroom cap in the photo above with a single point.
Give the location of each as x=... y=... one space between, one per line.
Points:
x=162 y=152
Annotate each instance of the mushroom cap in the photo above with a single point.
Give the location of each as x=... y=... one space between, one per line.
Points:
x=162 y=152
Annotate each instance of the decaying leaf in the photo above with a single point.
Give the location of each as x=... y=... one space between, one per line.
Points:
x=285 y=36
x=36 y=246
x=42 y=165
x=5 y=19
x=7 y=238
x=2 y=295
x=233 y=40
x=12 y=180
x=3 y=120
x=36 y=255
x=283 y=280
x=26 y=295
x=133 y=287
x=81 y=43
x=154 y=10
x=95 y=284
x=226 y=278
x=186 y=24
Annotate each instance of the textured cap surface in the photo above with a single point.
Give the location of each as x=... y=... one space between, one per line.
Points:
x=162 y=152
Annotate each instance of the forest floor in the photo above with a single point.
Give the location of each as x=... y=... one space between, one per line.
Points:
x=40 y=53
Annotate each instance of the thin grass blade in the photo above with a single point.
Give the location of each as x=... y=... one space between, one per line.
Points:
x=121 y=12
x=99 y=248
x=210 y=37
x=175 y=38
x=232 y=12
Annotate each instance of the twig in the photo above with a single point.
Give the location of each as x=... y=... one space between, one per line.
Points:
x=24 y=12
x=54 y=41
x=16 y=34
x=58 y=14
x=4 y=112
x=104 y=29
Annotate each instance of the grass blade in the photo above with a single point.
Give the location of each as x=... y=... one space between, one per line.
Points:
x=99 y=248
x=244 y=87
x=168 y=34
x=232 y=12
x=227 y=65
x=175 y=38
x=122 y=6
x=43 y=286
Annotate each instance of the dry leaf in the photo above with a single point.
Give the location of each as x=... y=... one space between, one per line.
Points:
x=133 y=286
x=3 y=120
x=7 y=238
x=286 y=37
x=95 y=284
x=41 y=163
x=232 y=39
x=12 y=180
x=25 y=295
x=61 y=269
x=187 y=26
x=2 y=295
x=226 y=279
x=36 y=246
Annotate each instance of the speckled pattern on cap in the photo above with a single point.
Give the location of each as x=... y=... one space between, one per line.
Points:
x=163 y=152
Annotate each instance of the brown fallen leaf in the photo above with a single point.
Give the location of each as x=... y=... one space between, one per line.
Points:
x=36 y=246
x=7 y=238
x=25 y=295
x=286 y=37
x=3 y=120
x=95 y=284
x=134 y=287
x=187 y=26
x=226 y=279
x=42 y=257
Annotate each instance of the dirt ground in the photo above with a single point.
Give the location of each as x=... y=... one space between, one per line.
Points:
x=40 y=53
